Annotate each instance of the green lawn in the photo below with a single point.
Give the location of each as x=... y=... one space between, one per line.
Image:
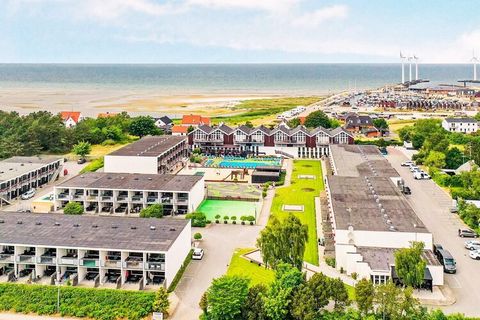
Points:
x=242 y=267
x=302 y=192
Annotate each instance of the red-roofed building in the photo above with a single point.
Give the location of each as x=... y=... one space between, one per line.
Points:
x=195 y=120
x=179 y=130
x=71 y=118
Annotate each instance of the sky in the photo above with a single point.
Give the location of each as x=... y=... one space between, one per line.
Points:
x=238 y=31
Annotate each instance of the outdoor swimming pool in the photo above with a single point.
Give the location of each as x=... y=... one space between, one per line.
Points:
x=243 y=163
x=228 y=208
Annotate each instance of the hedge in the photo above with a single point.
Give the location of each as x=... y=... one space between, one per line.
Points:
x=102 y=304
x=180 y=272
x=93 y=166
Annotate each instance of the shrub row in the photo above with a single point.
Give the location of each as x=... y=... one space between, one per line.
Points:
x=102 y=304
x=180 y=272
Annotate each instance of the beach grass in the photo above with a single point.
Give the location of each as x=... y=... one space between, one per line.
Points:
x=302 y=192
x=261 y=111
x=240 y=266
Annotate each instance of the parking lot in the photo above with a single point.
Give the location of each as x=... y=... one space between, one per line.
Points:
x=432 y=205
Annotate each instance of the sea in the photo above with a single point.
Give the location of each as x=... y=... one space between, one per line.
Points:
x=219 y=78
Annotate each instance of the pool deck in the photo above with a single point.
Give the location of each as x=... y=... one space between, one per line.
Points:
x=217 y=174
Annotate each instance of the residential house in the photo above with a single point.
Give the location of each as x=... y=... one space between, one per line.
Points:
x=71 y=118
x=462 y=125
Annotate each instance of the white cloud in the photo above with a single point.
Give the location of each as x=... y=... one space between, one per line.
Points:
x=264 y=5
x=110 y=9
x=319 y=16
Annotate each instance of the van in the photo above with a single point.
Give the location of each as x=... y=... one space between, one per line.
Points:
x=448 y=262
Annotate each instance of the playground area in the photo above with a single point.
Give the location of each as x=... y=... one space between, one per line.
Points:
x=228 y=208
x=219 y=174
x=233 y=191
x=242 y=163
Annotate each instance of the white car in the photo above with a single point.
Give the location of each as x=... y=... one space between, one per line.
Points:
x=29 y=194
x=414 y=168
x=475 y=254
x=408 y=164
x=472 y=244
x=420 y=175
x=197 y=254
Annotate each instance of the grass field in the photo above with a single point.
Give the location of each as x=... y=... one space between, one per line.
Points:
x=262 y=111
x=98 y=151
x=302 y=192
x=242 y=267
x=396 y=125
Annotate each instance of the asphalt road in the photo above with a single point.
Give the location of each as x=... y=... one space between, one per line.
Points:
x=432 y=204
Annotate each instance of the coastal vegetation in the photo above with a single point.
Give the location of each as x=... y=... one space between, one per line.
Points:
x=302 y=192
x=262 y=111
x=92 y=303
x=43 y=132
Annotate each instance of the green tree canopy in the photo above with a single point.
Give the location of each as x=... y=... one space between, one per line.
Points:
x=380 y=123
x=254 y=306
x=435 y=159
x=152 y=211
x=317 y=119
x=283 y=242
x=142 y=126
x=454 y=158
x=293 y=123
x=161 y=303
x=73 y=208
x=226 y=297
x=82 y=148
x=409 y=264
x=364 y=293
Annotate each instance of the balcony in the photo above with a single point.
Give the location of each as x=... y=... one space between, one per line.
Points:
x=6 y=257
x=62 y=195
x=208 y=139
x=27 y=257
x=113 y=261
x=248 y=140
x=137 y=198
x=155 y=266
x=90 y=262
x=166 y=200
x=134 y=262
x=50 y=260
x=68 y=261
x=182 y=200
x=106 y=198
x=289 y=141
x=122 y=198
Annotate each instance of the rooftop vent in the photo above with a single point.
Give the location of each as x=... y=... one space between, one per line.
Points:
x=173 y=229
x=95 y=226
x=133 y=228
x=76 y=225
x=38 y=223
x=56 y=224
x=392 y=228
x=149 y=178
x=2 y=221
x=19 y=222
x=114 y=227
x=152 y=228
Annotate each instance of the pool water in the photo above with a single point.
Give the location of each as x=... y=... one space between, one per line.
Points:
x=247 y=163
x=228 y=208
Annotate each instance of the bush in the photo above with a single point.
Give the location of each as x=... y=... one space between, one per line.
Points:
x=109 y=142
x=354 y=275
x=198 y=219
x=264 y=194
x=76 y=302
x=243 y=219
x=197 y=236
x=93 y=166
x=330 y=262
x=180 y=272
x=153 y=211
x=234 y=219
x=73 y=208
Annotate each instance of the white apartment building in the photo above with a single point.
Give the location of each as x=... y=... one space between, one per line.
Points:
x=150 y=155
x=461 y=125
x=128 y=193
x=114 y=252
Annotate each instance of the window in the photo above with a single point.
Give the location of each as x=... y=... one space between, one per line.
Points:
x=379 y=278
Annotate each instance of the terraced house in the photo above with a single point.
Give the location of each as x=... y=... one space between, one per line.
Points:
x=298 y=142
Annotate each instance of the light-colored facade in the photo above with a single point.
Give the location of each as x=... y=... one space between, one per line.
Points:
x=149 y=155
x=461 y=125
x=119 y=193
x=20 y=174
x=99 y=251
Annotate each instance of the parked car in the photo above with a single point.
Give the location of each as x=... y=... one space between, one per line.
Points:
x=420 y=175
x=414 y=168
x=448 y=262
x=29 y=194
x=437 y=247
x=467 y=233
x=474 y=254
x=81 y=161
x=408 y=164
x=471 y=244
x=454 y=210
x=406 y=190
x=197 y=254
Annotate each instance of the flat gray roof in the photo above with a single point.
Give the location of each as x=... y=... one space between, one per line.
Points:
x=361 y=161
x=383 y=258
x=118 y=233
x=132 y=181
x=149 y=146
x=355 y=205
x=17 y=166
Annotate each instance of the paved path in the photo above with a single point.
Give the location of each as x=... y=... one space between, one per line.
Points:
x=432 y=205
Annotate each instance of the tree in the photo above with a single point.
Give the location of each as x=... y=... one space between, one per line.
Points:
x=74 y=208
x=364 y=293
x=203 y=304
x=226 y=297
x=279 y=297
x=197 y=236
x=311 y=298
x=190 y=129
x=380 y=123
x=142 y=126
x=152 y=211
x=454 y=158
x=435 y=159
x=254 y=305
x=395 y=303
x=473 y=150
x=293 y=123
x=477 y=116
x=161 y=303
x=338 y=293
x=283 y=242
x=317 y=119
x=82 y=149
x=409 y=264
x=249 y=124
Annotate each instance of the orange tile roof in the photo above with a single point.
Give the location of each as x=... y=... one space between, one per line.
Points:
x=75 y=115
x=106 y=114
x=194 y=119
x=179 y=129
x=302 y=119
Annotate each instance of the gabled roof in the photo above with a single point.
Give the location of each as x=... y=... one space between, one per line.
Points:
x=226 y=129
x=337 y=131
x=460 y=120
x=245 y=129
x=263 y=129
x=354 y=120
x=318 y=130
x=179 y=129
x=284 y=129
x=299 y=129
x=166 y=120
x=205 y=128
x=194 y=119
x=75 y=115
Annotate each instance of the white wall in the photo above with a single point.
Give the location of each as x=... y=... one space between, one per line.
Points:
x=177 y=253
x=437 y=274
x=130 y=164
x=383 y=239
x=196 y=195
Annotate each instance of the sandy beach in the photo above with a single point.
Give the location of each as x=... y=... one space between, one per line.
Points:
x=140 y=101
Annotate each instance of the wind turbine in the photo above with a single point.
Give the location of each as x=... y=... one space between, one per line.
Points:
x=474 y=60
x=416 y=66
x=410 y=68
x=402 y=57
